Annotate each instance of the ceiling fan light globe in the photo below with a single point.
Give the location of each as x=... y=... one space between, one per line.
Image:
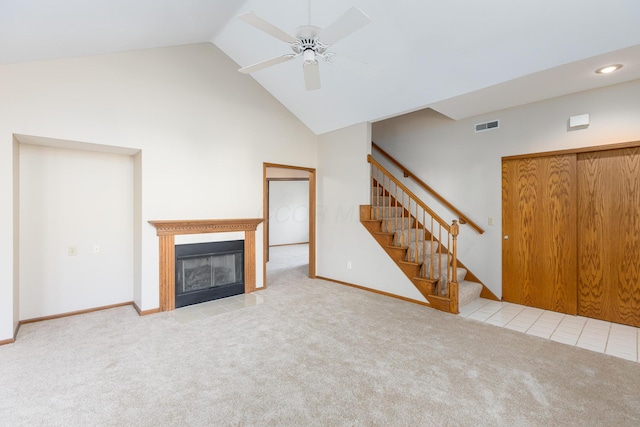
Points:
x=309 y=57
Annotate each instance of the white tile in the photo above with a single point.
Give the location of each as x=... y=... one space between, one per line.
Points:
x=194 y=308
x=574 y=320
x=624 y=329
x=537 y=329
x=534 y=310
x=545 y=324
x=479 y=316
x=496 y=321
x=577 y=329
x=623 y=341
x=522 y=322
x=505 y=314
x=467 y=310
x=214 y=310
x=590 y=346
x=623 y=354
x=539 y=333
x=478 y=303
x=552 y=315
x=235 y=305
x=567 y=334
x=516 y=327
x=590 y=334
x=525 y=314
x=464 y=313
x=512 y=308
x=563 y=339
x=597 y=325
x=621 y=349
x=599 y=336
x=529 y=314
x=488 y=310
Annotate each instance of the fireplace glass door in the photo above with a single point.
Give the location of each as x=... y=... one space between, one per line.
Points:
x=208 y=271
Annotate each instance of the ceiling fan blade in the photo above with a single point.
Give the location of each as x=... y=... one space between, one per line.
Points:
x=264 y=64
x=252 y=19
x=311 y=75
x=351 y=21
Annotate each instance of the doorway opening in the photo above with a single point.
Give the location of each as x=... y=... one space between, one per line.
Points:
x=279 y=173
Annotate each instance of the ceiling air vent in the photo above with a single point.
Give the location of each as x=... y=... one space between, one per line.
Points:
x=480 y=127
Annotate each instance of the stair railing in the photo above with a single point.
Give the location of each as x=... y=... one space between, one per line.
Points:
x=429 y=239
x=463 y=219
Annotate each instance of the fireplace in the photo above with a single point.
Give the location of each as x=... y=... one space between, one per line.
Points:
x=208 y=271
x=168 y=229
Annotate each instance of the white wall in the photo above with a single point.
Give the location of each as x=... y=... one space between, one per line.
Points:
x=82 y=199
x=16 y=230
x=344 y=184
x=465 y=166
x=288 y=212
x=197 y=121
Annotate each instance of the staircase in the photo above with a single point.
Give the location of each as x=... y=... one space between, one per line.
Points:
x=422 y=245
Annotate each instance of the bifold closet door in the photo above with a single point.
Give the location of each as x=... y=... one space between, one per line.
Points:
x=539 y=232
x=609 y=235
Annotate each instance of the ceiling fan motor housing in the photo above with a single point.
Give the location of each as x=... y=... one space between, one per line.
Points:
x=307 y=36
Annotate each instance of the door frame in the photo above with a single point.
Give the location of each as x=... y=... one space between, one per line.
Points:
x=312 y=216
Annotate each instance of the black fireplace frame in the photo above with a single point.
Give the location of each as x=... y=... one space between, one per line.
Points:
x=193 y=250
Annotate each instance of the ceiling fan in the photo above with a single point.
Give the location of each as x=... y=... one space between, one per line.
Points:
x=309 y=41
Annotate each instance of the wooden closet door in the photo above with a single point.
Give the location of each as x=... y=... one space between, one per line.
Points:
x=609 y=235
x=539 y=232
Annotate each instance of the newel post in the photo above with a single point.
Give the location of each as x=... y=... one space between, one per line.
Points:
x=453 y=285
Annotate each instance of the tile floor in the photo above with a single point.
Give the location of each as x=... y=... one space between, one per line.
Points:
x=213 y=308
x=591 y=334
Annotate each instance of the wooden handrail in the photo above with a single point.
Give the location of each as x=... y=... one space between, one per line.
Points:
x=408 y=174
x=404 y=188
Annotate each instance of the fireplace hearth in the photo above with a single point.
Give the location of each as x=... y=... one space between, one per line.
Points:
x=208 y=271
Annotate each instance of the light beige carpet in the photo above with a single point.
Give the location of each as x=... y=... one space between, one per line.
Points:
x=314 y=354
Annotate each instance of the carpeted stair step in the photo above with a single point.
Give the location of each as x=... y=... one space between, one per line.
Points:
x=386 y=212
x=404 y=237
x=391 y=225
x=439 y=261
x=382 y=201
x=468 y=292
x=421 y=249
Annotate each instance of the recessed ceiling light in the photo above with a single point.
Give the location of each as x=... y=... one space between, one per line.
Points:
x=609 y=69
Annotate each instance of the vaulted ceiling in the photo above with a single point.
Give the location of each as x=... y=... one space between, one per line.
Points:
x=462 y=58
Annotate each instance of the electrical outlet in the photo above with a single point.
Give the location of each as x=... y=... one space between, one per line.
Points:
x=72 y=251
x=96 y=249
x=348 y=265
